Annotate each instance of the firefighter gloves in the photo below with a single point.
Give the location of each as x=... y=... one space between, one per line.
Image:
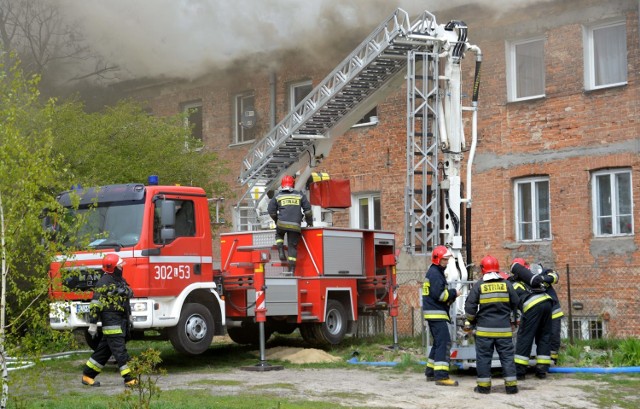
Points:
x=93 y=330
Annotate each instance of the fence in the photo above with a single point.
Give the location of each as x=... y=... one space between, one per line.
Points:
x=598 y=302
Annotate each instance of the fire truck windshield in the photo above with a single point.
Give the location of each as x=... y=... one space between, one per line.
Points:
x=107 y=225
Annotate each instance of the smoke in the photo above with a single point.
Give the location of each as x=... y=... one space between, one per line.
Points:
x=188 y=38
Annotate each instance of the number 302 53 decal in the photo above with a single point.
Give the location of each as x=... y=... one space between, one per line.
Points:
x=182 y=272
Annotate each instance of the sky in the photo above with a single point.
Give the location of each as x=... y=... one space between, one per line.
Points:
x=186 y=38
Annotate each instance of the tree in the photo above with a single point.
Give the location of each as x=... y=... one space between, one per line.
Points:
x=124 y=144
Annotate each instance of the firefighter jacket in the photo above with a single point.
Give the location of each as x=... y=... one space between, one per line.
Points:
x=110 y=301
x=436 y=297
x=491 y=305
x=286 y=209
x=529 y=297
x=550 y=278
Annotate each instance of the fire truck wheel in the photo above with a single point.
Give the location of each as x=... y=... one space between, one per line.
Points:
x=92 y=342
x=194 y=332
x=308 y=333
x=334 y=327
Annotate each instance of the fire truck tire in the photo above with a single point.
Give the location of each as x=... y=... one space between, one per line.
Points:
x=92 y=342
x=248 y=334
x=308 y=333
x=194 y=332
x=335 y=325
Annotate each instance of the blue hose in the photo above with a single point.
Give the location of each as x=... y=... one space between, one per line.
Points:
x=554 y=369
x=620 y=369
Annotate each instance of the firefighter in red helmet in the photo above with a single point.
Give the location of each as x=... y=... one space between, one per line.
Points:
x=287 y=208
x=491 y=307
x=436 y=301
x=110 y=305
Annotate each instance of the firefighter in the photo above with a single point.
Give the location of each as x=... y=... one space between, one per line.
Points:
x=286 y=209
x=535 y=320
x=550 y=278
x=436 y=301
x=491 y=307
x=110 y=305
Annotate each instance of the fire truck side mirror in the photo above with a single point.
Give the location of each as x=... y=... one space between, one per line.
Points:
x=168 y=220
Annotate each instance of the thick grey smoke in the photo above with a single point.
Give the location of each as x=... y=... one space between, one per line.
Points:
x=186 y=38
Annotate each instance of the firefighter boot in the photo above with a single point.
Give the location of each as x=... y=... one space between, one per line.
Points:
x=292 y=266
x=446 y=382
x=428 y=372
x=513 y=389
x=87 y=380
x=283 y=257
x=485 y=390
x=130 y=382
x=541 y=371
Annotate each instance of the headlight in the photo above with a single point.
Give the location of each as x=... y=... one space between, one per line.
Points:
x=139 y=306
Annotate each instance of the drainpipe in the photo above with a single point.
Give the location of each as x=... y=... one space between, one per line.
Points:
x=272 y=103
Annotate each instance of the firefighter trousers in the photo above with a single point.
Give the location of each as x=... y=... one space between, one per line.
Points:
x=484 y=354
x=438 y=363
x=293 y=237
x=113 y=342
x=535 y=325
x=556 y=326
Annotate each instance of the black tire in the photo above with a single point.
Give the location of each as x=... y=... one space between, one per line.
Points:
x=248 y=334
x=92 y=342
x=194 y=332
x=308 y=333
x=335 y=325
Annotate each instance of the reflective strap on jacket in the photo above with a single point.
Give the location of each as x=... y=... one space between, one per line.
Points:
x=494 y=332
x=534 y=300
x=557 y=313
x=112 y=330
x=436 y=315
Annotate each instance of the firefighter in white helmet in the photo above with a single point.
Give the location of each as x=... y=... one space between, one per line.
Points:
x=110 y=305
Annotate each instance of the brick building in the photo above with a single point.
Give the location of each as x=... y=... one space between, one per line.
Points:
x=556 y=172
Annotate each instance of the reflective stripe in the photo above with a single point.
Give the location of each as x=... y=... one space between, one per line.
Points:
x=94 y=365
x=534 y=300
x=436 y=315
x=292 y=258
x=492 y=300
x=124 y=369
x=278 y=241
x=484 y=382
x=425 y=288
x=522 y=360
x=444 y=296
x=557 y=314
x=510 y=383
x=112 y=329
x=543 y=359
x=430 y=364
x=494 y=332
x=441 y=366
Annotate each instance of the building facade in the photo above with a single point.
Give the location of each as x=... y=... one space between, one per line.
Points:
x=556 y=175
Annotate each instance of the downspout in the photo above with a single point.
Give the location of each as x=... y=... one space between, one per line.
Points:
x=272 y=100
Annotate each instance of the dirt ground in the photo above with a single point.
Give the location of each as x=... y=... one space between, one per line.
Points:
x=376 y=387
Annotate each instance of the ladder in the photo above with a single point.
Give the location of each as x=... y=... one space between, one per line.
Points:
x=361 y=80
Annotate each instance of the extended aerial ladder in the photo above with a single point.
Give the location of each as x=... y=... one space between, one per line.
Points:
x=397 y=49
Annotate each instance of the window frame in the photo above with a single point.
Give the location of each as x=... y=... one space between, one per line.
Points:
x=512 y=69
x=535 y=220
x=185 y=107
x=292 y=92
x=589 y=55
x=371 y=211
x=238 y=128
x=615 y=199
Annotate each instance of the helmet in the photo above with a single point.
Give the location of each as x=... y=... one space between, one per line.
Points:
x=287 y=182
x=110 y=262
x=438 y=253
x=489 y=264
x=520 y=261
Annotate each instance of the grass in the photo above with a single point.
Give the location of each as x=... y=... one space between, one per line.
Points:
x=620 y=391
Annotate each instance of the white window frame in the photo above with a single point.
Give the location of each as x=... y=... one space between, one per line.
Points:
x=535 y=216
x=355 y=210
x=239 y=130
x=589 y=55
x=512 y=70
x=615 y=199
x=585 y=328
x=292 y=92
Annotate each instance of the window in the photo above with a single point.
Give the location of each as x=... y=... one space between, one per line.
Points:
x=370 y=118
x=245 y=118
x=185 y=221
x=612 y=203
x=584 y=328
x=533 y=217
x=525 y=69
x=605 y=55
x=365 y=213
x=297 y=92
x=193 y=119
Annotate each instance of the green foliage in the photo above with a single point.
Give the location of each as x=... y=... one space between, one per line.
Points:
x=144 y=367
x=627 y=353
x=601 y=353
x=124 y=144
